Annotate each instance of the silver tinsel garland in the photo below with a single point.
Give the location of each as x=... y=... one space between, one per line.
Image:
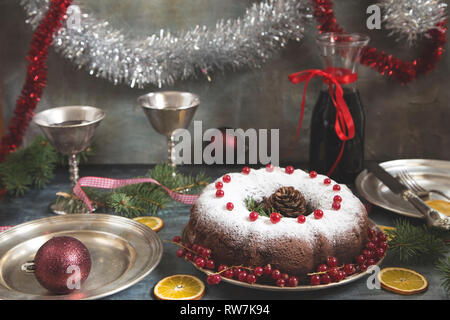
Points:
x=412 y=19
x=166 y=57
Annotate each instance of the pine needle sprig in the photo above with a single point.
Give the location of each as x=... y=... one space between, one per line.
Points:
x=253 y=205
x=143 y=198
x=27 y=168
x=443 y=265
x=416 y=244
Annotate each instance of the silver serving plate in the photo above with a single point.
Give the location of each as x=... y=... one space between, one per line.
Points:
x=123 y=252
x=266 y=287
x=430 y=174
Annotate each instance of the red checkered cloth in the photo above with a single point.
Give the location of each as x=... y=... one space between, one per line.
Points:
x=4 y=228
x=107 y=183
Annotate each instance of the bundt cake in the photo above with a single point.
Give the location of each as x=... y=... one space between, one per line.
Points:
x=335 y=222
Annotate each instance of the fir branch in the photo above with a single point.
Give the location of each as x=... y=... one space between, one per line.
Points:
x=30 y=167
x=252 y=205
x=443 y=265
x=416 y=244
x=144 y=198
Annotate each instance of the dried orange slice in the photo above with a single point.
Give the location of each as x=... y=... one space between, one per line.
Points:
x=440 y=205
x=179 y=287
x=386 y=228
x=154 y=223
x=402 y=280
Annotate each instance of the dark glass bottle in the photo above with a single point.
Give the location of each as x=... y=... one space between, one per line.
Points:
x=325 y=144
x=339 y=51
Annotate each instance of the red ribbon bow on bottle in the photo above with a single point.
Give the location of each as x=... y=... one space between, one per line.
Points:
x=344 y=125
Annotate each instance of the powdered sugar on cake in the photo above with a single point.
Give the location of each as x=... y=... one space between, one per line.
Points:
x=261 y=183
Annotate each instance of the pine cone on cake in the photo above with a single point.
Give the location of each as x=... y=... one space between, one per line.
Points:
x=287 y=201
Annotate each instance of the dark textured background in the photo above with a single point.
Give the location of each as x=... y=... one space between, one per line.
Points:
x=402 y=121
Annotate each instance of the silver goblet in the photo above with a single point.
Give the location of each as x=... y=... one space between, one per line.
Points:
x=70 y=130
x=168 y=111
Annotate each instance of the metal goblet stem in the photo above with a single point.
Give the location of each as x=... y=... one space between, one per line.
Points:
x=73 y=170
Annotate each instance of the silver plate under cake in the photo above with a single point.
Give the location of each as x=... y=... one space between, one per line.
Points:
x=265 y=287
x=430 y=174
x=123 y=252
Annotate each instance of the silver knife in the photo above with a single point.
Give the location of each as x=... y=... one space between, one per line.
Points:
x=433 y=217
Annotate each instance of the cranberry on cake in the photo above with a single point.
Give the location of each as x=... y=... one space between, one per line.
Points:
x=284 y=217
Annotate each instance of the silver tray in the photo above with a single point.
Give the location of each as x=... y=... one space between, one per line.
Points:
x=430 y=174
x=265 y=287
x=123 y=252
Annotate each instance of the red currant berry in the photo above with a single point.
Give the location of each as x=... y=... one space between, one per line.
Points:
x=318 y=214
x=336 y=205
x=236 y=272
x=371 y=262
x=327 y=181
x=275 y=217
x=370 y=245
x=363 y=267
x=334 y=274
x=217 y=278
x=284 y=276
x=293 y=281
x=383 y=245
x=226 y=178
x=281 y=282
x=220 y=193
x=381 y=236
x=301 y=219
x=258 y=271
x=267 y=269
x=242 y=276
x=181 y=252
x=325 y=279
x=337 y=198
x=341 y=275
x=206 y=253
x=253 y=216
x=195 y=247
x=176 y=239
x=374 y=240
x=322 y=268
x=313 y=174
x=276 y=274
x=289 y=170
x=221 y=267
x=269 y=167
x=210 y=279
x=349 y=269
x=367 y=253
x=230 y=206
x=245 y=170
x=189 y=256
x=336 y=187
x=210 y=264
x=251 y=278
x=315 y=279
x=200 y=262
x=332 y=262
x=380 y=253
x=360 y=259
x=372 y=233
x=228 y=274
x=199 y=249
x=219 y=185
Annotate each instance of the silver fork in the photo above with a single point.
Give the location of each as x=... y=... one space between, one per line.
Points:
x=409 y=181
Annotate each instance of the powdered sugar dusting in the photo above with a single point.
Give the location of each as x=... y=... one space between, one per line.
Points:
x=262 y=183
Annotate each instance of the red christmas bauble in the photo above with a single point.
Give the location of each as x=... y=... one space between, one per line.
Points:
x=62 y=264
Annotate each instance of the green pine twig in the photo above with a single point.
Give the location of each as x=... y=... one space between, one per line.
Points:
x=443 y=265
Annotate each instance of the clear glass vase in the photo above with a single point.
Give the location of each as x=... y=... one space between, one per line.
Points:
x=340 y=52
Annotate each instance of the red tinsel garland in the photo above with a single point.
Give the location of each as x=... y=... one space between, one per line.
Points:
x=386 y=64
x=36 y=76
